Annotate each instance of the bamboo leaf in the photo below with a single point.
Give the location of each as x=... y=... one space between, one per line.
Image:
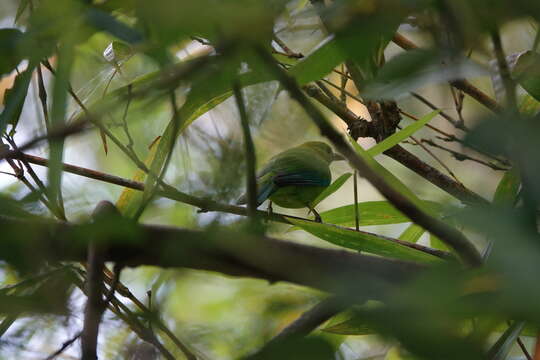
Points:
x=365 y=241
x=402 y=134
x=335 y=186
x=508 y=187
x=9 y=39
x=388 y=176
x=527 y=72
x=412 y=233
x=501 y=349
x=353 y=326
x=130 y=199
x=319 y=62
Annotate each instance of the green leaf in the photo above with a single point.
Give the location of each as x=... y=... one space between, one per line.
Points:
x=354 y=326
x=335 y=186
x=103 y=21
x=319 y=62
x=508 y=187
x=370 y=213
x=10 y=97
x=436 y=243
x=365 y=241
x=527 y=73
x=388 y=176
x=412 y=233
x=528 y=105
x=14 y=99
x=501 y=349
x=402 y=134
x=415 y=69
x=129 y=201
x=9 y=39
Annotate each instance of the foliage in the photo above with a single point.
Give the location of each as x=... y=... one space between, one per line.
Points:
x=132 y=102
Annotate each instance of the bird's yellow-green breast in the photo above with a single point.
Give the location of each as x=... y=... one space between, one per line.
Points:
x=295 y=177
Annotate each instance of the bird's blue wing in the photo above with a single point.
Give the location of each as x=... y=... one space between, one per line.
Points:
x=302 y=178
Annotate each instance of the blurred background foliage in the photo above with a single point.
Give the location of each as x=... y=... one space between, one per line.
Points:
x=152 y=81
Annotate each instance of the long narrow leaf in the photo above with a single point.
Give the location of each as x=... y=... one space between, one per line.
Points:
x=501 y=349
x=402 y=134
x=365 y=241
x=335 y=186
x=388 y=176
x=412 y=233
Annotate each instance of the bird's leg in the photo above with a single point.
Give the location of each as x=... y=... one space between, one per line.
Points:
x=269 y=209
x=317 y=215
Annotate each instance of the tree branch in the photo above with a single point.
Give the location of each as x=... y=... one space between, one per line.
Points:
x=228 y=252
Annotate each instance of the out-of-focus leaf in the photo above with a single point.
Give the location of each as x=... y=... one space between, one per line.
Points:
x=402 y=134
x=364 y=30
x=364 y=241
x=12 y=208
x=412 y=233
x=335 y=186
x=14 y=99
x=353 y=326
x=436 y=243
x=130 y=199
x=319 y=62
x=527 y=73
x=106 y=22
x=388 y=176
x=397 y=353
x=508 y=187
x=501 y=349
x=313 y=348
x=23 y=4
x=415 y=69
x=11 y=57
x=529 y=106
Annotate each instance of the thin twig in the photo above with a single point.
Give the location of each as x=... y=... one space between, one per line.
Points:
x=457 y=123
x=286 y=49
x=249 y=148
x=356 y=212
x=167 y=191
x=504 y=70
x=461 y=156
x=461 y=84
x=123 y=313
x=64 y=346
x=312 y=319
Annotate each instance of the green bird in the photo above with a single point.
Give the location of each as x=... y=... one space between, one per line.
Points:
x=294 y=178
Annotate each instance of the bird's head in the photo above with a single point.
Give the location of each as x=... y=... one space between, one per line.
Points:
x=323 y=150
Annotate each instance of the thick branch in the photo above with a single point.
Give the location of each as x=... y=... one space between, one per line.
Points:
x=230 y=253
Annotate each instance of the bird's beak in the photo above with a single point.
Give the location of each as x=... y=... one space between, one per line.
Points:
x=337 y=157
